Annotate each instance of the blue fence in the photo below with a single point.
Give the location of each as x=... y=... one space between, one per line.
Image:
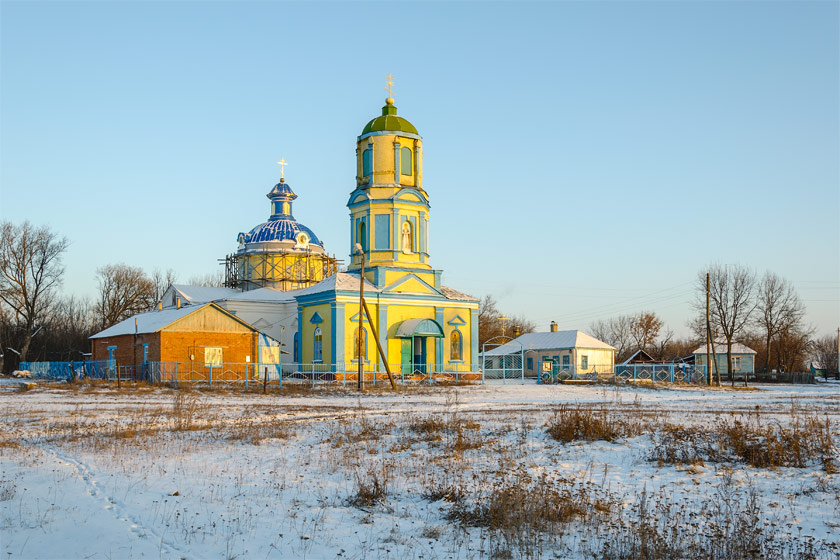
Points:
x=175 y=373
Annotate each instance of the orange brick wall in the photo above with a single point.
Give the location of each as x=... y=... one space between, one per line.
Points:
x=127 y=353
x=176 y=347
x=180 y=346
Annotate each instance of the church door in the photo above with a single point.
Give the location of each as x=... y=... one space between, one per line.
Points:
x=420 y=353
x=406 y=355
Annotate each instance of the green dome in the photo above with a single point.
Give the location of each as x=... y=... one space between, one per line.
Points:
x=389 y=121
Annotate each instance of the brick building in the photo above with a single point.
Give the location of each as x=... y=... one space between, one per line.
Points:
x=205 y=334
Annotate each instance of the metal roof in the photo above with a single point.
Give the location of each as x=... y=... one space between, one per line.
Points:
x=389 y=121
x=419 y=327
x=558 y=340
x=153 y=321
x=720 y=346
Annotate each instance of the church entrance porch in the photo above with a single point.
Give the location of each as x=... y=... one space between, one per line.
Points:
x=416 y=344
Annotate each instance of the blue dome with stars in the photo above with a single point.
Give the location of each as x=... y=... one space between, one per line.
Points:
x=281 y=225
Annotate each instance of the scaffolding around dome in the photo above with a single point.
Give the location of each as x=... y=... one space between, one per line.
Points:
x=278 y=270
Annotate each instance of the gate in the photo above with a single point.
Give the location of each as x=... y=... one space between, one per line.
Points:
x=503 y=359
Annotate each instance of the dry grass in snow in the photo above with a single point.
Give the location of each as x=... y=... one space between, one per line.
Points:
x=453 y=472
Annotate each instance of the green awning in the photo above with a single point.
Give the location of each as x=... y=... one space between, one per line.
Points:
x=419 y=327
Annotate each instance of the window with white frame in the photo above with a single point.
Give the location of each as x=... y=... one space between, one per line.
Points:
x=212 y=356
x=584 y=362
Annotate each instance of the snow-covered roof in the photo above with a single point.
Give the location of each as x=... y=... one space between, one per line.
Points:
x=338 y=281
x=557 y=340
x=455 y=294
x=720 y=347
x=149 y=322
x=638 y=355
x=264 y=294
x=202 y=294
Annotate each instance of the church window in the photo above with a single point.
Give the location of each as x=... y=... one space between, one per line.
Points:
x=530 y=362
x=361 y=235
x=317 y=355
x=405 y=162
x=296 y=350
x=367 y=162
x=407 y=240
x=455 y=342
x=584 y=362
x=382 y=231
x=278 y=207
x=360 y=332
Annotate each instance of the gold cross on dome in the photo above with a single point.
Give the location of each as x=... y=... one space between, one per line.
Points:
x=282 y=163
x=390 y=83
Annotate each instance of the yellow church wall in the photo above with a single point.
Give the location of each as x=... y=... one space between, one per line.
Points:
x=392 y=276
x=307 y=332
x=452 y=314
x=383 y=159
x=351 y=309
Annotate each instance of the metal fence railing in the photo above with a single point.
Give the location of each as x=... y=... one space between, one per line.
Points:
x=502 y=369
x=661 y=373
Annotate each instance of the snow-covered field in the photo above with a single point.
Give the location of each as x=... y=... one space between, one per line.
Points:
x=443 y=472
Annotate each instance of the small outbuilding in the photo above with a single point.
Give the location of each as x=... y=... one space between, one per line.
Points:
x=572 y=351
x=195 y=334
x=743 y=358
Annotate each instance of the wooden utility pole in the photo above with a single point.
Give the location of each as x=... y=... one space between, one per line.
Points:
x=710 y=344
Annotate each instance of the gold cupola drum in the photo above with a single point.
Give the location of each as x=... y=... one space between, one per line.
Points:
x=280 y=253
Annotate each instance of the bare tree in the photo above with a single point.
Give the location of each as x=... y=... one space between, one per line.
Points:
x=824 y=352
x=211 y=279
x=731 y=299
x=616 y=332
x=123 y=291
x=488 y=320
x=162 y=281
x=778 y=310
x=30 y=273
x=644 y=329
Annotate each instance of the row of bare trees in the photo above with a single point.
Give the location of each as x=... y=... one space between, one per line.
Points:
x=764 y=312
x=38 y=323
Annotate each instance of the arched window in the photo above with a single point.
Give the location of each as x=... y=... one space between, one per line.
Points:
x=317 y=355
x=455 y=345
x=405 y=162
x=407 y=238
x=367 y=162
x=361 y=235
x=360 y=331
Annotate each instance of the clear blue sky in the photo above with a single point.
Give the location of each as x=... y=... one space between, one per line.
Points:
x=582 y=159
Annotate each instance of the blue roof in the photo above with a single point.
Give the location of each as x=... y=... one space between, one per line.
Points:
x=282 y=188
x=280 y=229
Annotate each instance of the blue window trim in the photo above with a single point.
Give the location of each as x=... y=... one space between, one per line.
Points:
x=367 y=162
x=530 y=363
x=317 y=346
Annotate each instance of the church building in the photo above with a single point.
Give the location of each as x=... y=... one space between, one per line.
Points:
x=281 y=280
x=421 y=324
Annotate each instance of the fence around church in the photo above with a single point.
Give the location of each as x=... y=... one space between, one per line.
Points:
x=499 y=370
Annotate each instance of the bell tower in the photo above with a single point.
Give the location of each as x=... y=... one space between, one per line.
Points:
x=389 y=208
